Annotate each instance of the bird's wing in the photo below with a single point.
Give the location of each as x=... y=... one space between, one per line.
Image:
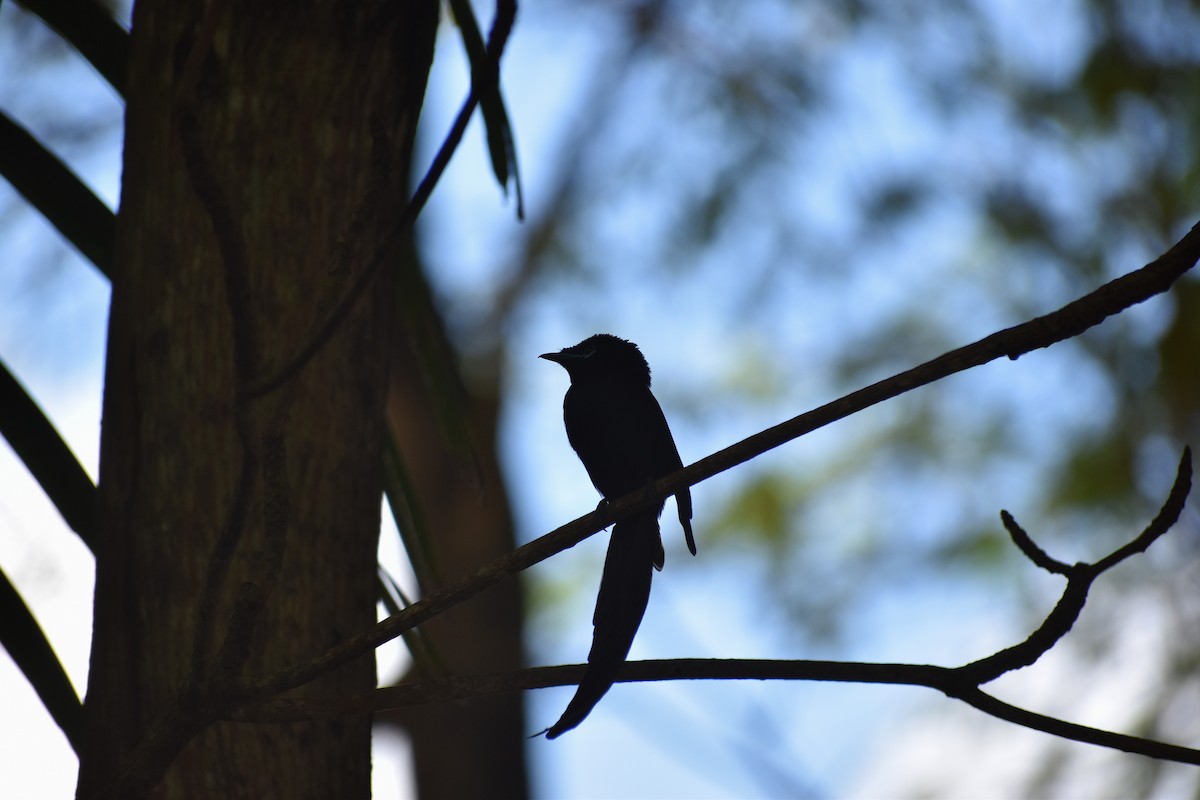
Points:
x=667 y=460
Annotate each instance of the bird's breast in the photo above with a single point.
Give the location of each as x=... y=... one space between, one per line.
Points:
x=613 y=430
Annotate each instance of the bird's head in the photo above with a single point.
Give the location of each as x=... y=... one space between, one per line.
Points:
x=602 y=357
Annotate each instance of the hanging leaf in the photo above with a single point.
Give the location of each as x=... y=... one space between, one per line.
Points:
x=485 y=81
x=406 y=512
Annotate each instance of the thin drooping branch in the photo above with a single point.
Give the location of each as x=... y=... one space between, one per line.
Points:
x=1067 y=322
x=246 y=349
x=329 y=322
x=1137 y=745
x=261 y=450
x=961 y=683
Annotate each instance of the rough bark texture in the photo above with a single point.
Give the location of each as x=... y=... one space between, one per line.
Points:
x=284 y=100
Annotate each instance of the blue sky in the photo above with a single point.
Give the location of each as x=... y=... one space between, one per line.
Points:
x=746 y=298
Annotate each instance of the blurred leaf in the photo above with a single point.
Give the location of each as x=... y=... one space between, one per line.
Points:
x=423 y=653
x=23 y=639
x=1096 y=474
x=1019 y=215
x=438 y=362
x=1179 y=359
x=762 y=511
x=56 y=192
x=486 y=82
x=406 y=512
x=47 y=457
x=1112 y=71
x=754 y=376
x=90 y=28
x=891 y=202
x=980 y=551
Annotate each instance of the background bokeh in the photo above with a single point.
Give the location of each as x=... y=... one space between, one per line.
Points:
x=779 y=202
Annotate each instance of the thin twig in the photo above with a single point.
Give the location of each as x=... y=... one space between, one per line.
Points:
x=1079 y=581
x=323 y=332
x=1160 y=524
x=1027 y=546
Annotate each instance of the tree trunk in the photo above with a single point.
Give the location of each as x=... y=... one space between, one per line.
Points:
x=224 y=251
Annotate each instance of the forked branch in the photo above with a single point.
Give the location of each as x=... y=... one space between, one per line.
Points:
x=962 y=683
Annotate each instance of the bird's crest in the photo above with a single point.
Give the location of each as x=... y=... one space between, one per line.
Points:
x=609 y=353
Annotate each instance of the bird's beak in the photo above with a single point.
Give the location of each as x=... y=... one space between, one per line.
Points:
x=558 y=358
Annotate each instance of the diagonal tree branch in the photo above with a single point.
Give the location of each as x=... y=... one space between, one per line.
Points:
x=961 y=683
x=91 y=30
x=48 y=458
x=1068 y=321
x=26 y=643
x=1065 y=323
x=58 y=194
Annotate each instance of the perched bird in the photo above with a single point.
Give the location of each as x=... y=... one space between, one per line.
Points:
x=620 y=434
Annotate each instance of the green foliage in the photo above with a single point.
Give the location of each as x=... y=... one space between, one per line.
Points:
x=486 y=82
x=760 y=513
x=1177 y=382
x=1095 y=474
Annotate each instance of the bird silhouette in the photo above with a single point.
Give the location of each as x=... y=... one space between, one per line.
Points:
x=619 y=432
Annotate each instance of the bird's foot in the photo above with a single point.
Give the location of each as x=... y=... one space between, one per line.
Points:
x=602 y=507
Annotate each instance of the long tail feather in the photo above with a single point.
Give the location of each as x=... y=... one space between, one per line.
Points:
x=624 y=591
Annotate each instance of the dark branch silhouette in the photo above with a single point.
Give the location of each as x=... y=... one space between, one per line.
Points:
x=1069 y=321
x=326 y=326
x=235 y=698
x=943 y=679
x=961 y=683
